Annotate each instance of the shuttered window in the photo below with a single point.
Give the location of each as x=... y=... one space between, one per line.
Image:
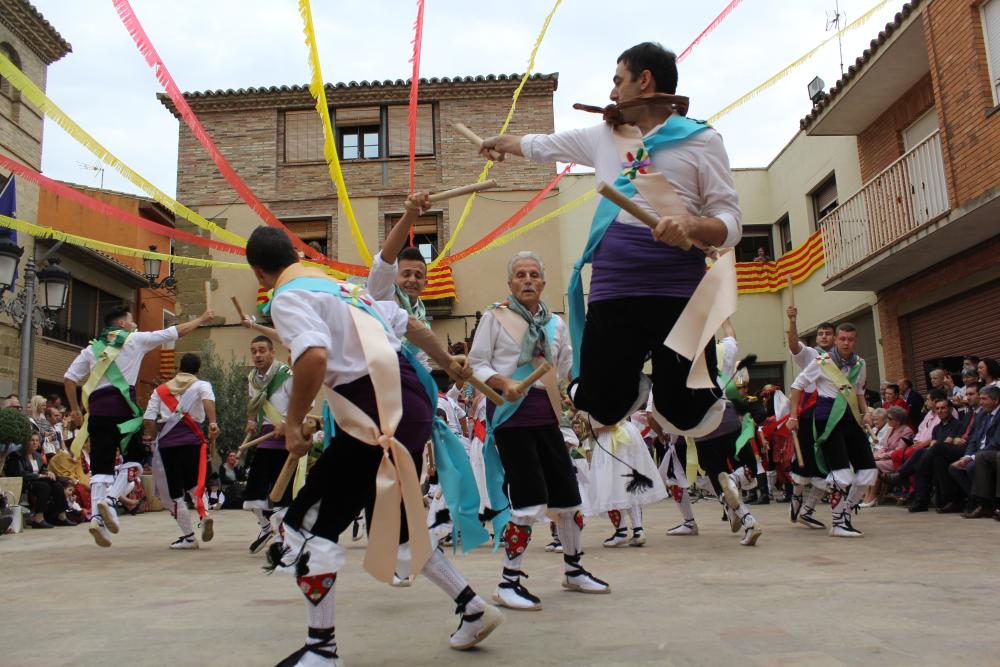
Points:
x=399 y=136
x=313 y=232
x=425 y=233
x=824 y=199
x=303 y=136
x=991 y=32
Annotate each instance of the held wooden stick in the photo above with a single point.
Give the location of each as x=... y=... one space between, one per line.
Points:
x=476 y=139
x=463 y=190
x=798 y=449
x=284 y=478
x=483 y=388
x=633 y=209
x=239 y=310
x=791 y=292
x=208 y=295
x=535 y=376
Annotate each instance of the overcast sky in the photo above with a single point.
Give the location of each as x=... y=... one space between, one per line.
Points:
x=106 y=86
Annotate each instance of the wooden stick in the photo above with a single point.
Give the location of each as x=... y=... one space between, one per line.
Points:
x=309 y=427
x=477 y=140
x=247 y=444
x=791 y=292
x=239 y=310
x=798 y=449
x=535 y=376
x=633 y=209
x=463 y=190
x=483 y=388
x=208 y=295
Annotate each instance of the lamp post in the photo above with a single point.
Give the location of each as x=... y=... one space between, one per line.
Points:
x=54 y=283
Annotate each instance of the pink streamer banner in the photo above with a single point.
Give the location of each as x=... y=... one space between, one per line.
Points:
x=711 y=26
x=411 y=118
x=77 y=197
x=148 y=51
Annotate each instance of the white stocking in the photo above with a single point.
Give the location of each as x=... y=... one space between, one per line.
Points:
x=183 y=516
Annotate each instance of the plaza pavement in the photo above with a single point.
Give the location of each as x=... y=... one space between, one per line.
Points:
x=917 y=590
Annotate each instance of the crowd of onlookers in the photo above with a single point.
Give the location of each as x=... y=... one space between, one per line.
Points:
x=942 y=448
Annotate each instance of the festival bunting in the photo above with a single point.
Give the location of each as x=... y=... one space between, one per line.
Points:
x=166 y=364
x=411 y=116
x=489 y=163
x=318 y=90
x=40 y=101
x=77 y=197
x=94 y=244
x=800 y=263
x=148 y=51
x=711 y=26
x=509 y=223
x=857 y=23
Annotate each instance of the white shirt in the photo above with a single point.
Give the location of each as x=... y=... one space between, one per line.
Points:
x=494 y=352
x=382 y=286
x=802 y=359
x=307 y=319
x=279 y=399
x=129 y=360
x=157 y=411
x=813 y=375
x=453 y=412
x=729 y=351
x=697 y=168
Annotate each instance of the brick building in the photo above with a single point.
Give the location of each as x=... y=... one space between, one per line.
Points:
x=923 y=232
x=273 y=139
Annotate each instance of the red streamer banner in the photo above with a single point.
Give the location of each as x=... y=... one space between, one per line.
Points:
x=411 y=118
x=711 y=26
x=148 y=51
x=77 y=197
x=510 y=222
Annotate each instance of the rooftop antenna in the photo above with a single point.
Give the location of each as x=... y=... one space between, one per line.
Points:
x=94 y=167
x=835 y=22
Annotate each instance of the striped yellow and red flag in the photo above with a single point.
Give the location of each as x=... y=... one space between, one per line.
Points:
x=263 y=296
x=166 y=364
x=440 y=284
x=800 y=263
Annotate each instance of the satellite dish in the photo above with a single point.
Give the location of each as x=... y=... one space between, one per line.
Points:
x=815 y=89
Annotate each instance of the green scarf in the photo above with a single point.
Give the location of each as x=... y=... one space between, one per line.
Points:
x=534 y=342
x=416 y=309
x=115 y=337
x=264 y=387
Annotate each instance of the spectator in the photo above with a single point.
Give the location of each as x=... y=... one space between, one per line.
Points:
x=909 y=459
x=986 y=485
x=46 y=497
x=896 y=440
x=232 y=477
x=55 y=401
x=41 y=425
x=941 y=446
x=970 y=362
x=970 y=377
x=913 y=399
x=880 y=427
x=985 y=435
x=761 y=256
x=67 y=430
x=68 y=468
x=891 y=394
x=11 y=401
x=989 y=372
x=949 y=384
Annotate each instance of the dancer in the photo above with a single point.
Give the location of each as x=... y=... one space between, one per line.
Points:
x=270 y=386
x=641 y=283
x=841 y=445
x=108 y=369
x=180 y=449
x=623 y=478
x=340 y=338
x=805 y=473
x=511 y=339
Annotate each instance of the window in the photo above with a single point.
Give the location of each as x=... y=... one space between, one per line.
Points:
x=991 y=33
x=303 y=136
x=358 y=133
x=11 y=55
x=425 y=234
x=399 y=135
x=311 y=230
x=83 y=317
x=754 y=238
x=824 y=199
x=784 y=234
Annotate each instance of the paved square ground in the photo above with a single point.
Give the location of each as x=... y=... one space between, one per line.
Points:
x=917 y=590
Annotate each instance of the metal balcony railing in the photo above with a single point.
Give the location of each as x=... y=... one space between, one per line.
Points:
x=905 y=196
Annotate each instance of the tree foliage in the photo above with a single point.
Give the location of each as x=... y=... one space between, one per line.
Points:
x=229 y=382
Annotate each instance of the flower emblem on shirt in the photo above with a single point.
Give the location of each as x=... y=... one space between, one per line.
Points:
x=636 y=164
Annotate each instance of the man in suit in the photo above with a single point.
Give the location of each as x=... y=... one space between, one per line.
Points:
x=985 y=436
x=914 y=401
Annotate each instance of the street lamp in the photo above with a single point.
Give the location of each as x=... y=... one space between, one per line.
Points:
x=54 y=283
x=151 y=270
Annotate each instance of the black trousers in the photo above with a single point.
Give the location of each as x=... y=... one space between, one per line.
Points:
x=847 y=447
x=105 y=440
x=618 y=337
x=180 y=463
x=985 y=480
x=46 y=497
x=718 y=454
x=264 y=471
x=537 y=466
x=932 y=467
x=807 y=466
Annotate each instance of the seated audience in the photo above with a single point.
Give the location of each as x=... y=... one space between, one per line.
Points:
x=46 y=497
x=985 y=435
x=989 y=372
x=892 y=398
x=940 y=451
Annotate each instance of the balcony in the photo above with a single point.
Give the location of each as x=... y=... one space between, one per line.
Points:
x=900 y=223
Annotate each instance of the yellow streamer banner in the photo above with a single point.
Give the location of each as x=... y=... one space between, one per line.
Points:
x=329 y=143
x=489 y=163
x=511 y=235
x=93 y=244
x=857 y=23
x=37 y=98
